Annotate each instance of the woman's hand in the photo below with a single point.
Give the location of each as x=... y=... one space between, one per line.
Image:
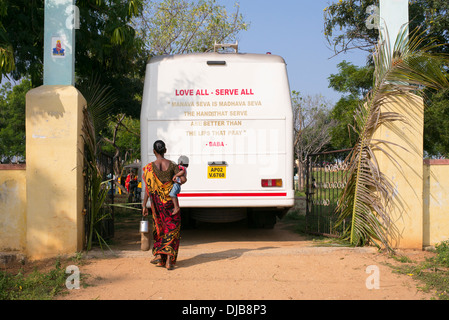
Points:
x=144 y=211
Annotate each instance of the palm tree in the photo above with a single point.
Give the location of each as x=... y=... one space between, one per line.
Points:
x=401 y=71
x=99 y=99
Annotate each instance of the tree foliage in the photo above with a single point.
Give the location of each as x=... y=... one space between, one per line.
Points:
x=436 y=125
x=108 y=47
x=12 y=121
x=178 y=26
x=6 y=50
x=21 y=36
x=122 y=139
x=312 y=127
x=345 y=23
x=312 y=123
x=345 y=29
x=105 y=44
x=354 y=83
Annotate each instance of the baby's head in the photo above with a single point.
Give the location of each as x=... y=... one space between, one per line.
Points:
x=183 y=161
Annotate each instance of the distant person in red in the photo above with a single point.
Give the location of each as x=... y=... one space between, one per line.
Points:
x=128 y=179
x=131 y=182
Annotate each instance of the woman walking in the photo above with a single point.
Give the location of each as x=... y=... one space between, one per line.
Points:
x=158 y=177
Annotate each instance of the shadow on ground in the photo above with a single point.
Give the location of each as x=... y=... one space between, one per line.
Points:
x=127 y=236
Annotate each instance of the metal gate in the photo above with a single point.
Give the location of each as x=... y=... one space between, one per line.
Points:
x=325 y=180
x=106 y=165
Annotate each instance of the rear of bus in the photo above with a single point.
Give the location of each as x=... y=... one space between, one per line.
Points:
x=231 y=115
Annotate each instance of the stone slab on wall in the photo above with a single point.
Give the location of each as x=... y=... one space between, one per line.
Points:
x=12 y=207
x=435 y=201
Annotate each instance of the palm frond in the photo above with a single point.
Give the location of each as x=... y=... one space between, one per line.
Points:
x=404 y=69
x=99 y=99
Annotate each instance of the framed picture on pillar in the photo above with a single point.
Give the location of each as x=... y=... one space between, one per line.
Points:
x=58 y=49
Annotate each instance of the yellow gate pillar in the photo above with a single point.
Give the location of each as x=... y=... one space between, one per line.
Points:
x=54 y=179
x=405 y=172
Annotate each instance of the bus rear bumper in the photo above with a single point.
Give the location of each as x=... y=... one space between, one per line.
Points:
x=274 y=199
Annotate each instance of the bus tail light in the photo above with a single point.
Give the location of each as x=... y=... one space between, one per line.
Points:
x=271 y=182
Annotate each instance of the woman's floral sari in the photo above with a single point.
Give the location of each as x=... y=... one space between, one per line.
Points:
x=166 y=231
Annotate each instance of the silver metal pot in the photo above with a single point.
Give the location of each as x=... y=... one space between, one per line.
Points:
x=144 y=226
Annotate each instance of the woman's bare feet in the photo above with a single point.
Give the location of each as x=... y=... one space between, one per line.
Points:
x=169 y=264
x=157 y=259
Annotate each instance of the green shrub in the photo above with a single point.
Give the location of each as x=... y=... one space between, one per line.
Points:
x=442 y=256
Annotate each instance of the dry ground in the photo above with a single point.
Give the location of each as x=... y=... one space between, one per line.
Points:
x=233 y=262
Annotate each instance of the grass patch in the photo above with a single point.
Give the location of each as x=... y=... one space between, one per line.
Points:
x=432 y=274
x=33 y=286
x=300 y=193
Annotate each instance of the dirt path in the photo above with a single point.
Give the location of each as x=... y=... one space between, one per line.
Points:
x=235 y=263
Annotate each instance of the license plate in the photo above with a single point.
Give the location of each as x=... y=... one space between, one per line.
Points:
x=216 y=172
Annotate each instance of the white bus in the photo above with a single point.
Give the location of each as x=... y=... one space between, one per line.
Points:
x=231 y=115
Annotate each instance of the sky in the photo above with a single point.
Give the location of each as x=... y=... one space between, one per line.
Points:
x=293 y=29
